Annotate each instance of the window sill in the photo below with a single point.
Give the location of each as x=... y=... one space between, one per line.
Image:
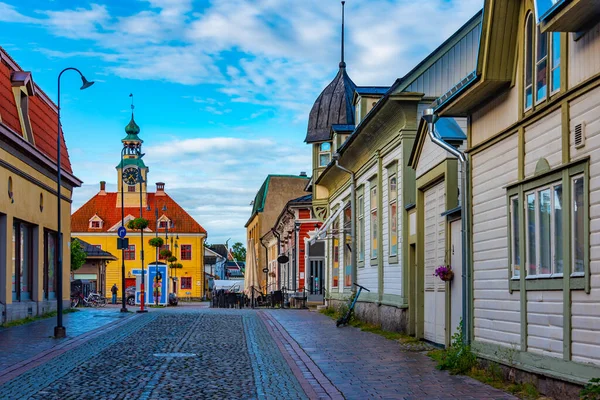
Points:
x=393 y=259
x=361 y=264
x=374 y=262
x=547 y=282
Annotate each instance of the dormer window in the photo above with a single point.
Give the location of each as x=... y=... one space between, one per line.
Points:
x=324 y=154
x=162 y=224
x=96 y=222
x=23 y=87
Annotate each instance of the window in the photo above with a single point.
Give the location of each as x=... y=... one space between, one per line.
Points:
x=131 y=188
x=529 y=62
x=374 y=226
x=555 y=62
x=515 y=237
x=336 y=253
x=186 y=282
x=393 y=215
x=50 y=264
x=22 y=261
x=96 y=224
x=162 y=224
x=163 y=247
x=361 y=228
x=544 y=230
x=541 y=64
x=347 y=247
x=549 y=231
x=186 y=251
x=577 y=216
x=324 y=154
x=129 y=253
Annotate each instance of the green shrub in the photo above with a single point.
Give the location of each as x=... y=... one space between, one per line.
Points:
x=156 y=242
x=591 y=391
x=458 y=358
x=138 y=224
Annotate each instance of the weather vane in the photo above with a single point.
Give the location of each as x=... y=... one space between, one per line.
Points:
x=132 y=106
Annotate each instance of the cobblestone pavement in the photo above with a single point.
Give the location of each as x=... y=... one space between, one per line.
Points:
x=198 y=353
x=19 y=343
x=362 y=365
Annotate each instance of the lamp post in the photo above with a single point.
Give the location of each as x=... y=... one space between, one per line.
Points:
x=164 y=208
x=123 y=291
x=59 y=329
x=142 y=285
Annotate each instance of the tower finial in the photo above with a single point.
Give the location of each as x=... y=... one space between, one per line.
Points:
x=342 y=63
x=132 y=106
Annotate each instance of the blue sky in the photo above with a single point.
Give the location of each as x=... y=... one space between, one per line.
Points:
x=222 y=88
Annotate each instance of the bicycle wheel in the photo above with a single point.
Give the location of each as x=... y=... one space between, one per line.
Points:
x=102 y=301
x=74 y=302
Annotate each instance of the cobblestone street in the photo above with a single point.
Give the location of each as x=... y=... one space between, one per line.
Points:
x=198 y=353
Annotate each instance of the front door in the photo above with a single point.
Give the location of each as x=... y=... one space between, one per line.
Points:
x=315 y=279
x=435 y=255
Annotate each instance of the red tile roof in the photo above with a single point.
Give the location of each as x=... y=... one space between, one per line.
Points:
x=42 y=115
x=105 y=206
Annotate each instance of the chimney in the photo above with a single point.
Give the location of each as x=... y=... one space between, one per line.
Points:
x=303 y=174
x=102 y=188
x=160 y=188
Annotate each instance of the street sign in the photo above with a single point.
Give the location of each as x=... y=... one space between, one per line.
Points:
x=122 y=243
x=121 y=232
x=265 y=270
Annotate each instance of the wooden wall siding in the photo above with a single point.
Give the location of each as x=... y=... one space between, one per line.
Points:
x=368 y=275
x=453 y=66
x=392 y=273
x=496 y=310
x=431 y=155
x=584 y=56
x=497 y=115
x=543 y=139
x=435 y=255
x=545 y=323
x=585 y=311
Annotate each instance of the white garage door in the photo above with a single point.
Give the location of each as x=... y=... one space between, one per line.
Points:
x=435 y=246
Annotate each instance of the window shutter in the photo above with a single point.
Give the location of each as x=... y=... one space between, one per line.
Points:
x=579 y=135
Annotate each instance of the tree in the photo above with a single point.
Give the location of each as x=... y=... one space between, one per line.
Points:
x=78 y=256
x=239 y=251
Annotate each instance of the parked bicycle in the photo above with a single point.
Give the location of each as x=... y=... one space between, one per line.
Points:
x=92 y=300
x=346 y=318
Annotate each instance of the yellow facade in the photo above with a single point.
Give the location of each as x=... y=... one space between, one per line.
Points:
x=191 y=268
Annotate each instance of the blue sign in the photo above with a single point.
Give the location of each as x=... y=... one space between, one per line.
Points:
x=121 y=232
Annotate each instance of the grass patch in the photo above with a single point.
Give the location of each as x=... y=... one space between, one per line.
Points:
x=28 y=320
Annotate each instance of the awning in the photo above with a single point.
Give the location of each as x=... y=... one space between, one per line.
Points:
x=322 y=232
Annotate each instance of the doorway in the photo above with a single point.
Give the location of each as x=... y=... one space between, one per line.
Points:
x=315 y=278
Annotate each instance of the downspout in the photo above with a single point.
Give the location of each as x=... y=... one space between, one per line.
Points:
x=336 y=157
x=278 y=253
x=430 y=117
x=294 y=251
x=267 y=267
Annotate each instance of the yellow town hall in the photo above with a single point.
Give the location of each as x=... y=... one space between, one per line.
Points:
x=98 y=220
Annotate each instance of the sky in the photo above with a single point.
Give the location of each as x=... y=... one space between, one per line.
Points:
x=222 y=88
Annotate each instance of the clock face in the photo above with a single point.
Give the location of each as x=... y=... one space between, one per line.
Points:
x=130 y=176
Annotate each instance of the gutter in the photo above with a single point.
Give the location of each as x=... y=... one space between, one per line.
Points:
x=430 y=117
x=276 y=234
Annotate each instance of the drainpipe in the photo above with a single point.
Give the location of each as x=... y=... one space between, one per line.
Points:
x=430 y=117
x=336 y=157
x=267 y=267
x=278 y=253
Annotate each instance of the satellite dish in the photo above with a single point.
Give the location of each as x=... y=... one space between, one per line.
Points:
x=282 y=259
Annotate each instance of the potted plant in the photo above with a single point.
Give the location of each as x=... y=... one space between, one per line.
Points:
x=138 y=224
x=444 y=272
x=166 y=254
x=156 y=242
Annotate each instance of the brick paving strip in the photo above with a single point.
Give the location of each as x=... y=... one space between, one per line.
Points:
x=315 y=384
x=53 y=352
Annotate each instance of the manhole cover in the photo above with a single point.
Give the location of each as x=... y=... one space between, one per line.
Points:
x=174 y=355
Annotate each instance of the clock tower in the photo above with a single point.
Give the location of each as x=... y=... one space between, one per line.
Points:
x=132 y=168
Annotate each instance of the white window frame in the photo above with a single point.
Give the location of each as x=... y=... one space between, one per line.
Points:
x=538 y=252
x=553 y=67
x=374 y=233
x=391 y=203
x=514 y=227
x=324 y=152
x=572 y=212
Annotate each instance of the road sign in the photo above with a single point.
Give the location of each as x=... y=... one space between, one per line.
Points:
x=121 y=232
x=265 y=270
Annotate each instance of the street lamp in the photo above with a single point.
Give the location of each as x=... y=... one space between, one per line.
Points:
x=164 y=208
x=131 y=147
x=59 y=329
x=142 y=285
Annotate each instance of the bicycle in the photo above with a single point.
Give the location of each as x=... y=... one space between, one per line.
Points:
x=346 y=318
x=97 y=299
